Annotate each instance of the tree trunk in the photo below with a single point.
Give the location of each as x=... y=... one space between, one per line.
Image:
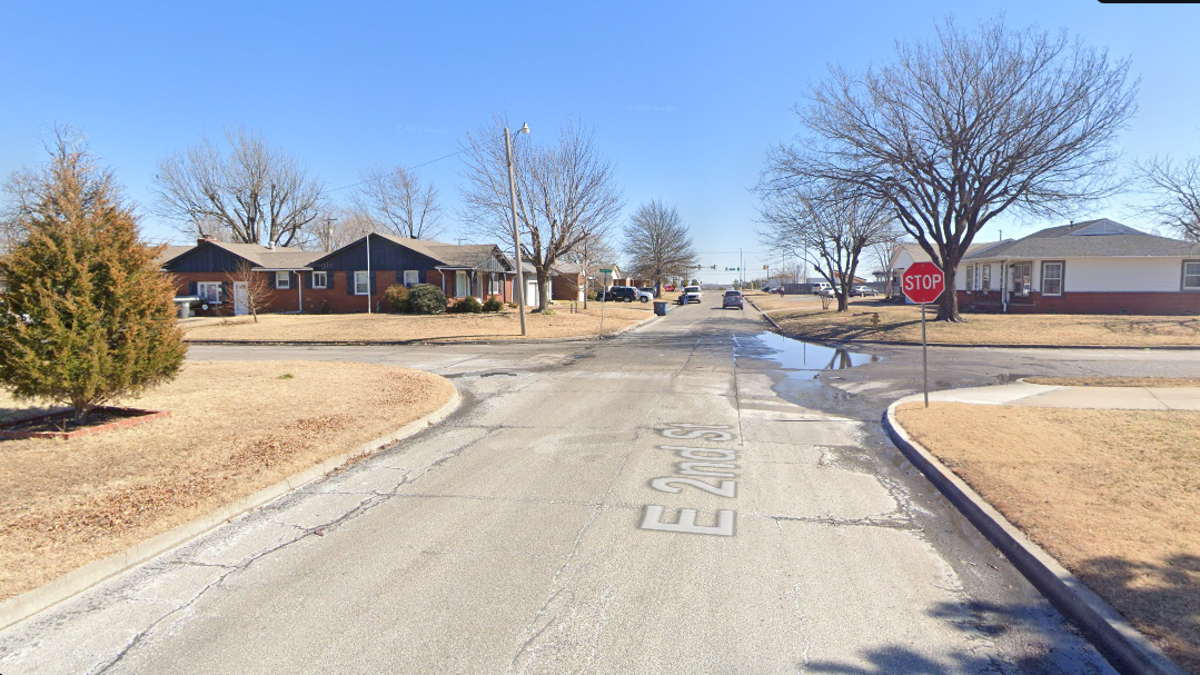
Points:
x=948 y=303
x=543 y=278
x=843 y=298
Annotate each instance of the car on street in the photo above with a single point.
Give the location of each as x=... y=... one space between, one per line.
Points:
x=689 y=295
x=733 y=299
x=864 y=291
x=820 y=287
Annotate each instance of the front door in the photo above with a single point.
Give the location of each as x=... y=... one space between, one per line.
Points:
x=241 y=298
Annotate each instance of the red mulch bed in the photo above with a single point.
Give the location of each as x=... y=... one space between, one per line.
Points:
x=63 y=425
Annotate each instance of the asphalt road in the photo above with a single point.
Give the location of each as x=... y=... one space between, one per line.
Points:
x=696 y=496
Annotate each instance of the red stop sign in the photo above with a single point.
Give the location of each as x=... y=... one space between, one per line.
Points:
x=923 y=282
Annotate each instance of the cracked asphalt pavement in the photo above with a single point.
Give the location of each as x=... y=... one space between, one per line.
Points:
x=696 y=496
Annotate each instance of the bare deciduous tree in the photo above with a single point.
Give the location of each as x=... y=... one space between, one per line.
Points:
x=396 y=199
x=1176 y=187
x=834 y=226
x=252 y=192
x=338 y=226
x=566 y=193
x=257 y=293
x=658 y=244
x=956 y=131
x=590 y=254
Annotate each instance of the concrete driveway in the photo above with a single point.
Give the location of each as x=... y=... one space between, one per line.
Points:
x=693 y=497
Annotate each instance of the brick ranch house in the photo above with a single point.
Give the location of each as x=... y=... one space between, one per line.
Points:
x=1093 y=267
x=351 y=279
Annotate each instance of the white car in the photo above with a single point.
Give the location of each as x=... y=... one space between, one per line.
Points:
x=694 y=290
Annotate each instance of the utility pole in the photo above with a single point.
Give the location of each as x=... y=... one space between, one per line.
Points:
x=329 y=220
x=512 y=196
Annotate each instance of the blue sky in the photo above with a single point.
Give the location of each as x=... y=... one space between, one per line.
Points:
x=686 y=98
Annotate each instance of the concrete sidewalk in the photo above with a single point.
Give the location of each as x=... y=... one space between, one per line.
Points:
x=1047 y=396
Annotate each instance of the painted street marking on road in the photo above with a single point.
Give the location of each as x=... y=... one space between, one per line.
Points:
x=706 y=462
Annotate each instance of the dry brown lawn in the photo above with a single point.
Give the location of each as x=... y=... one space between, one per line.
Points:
x=1112 y=494
x=902 y=323
x=1103 y=381
x=504 y=325
x=772 y=303
x=235 y=428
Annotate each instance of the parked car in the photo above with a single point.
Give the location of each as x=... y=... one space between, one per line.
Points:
x=645 y=294
x=863 y=291
x=669 y=288
x=829 y=291
x=621 y=294
x=820 y=287
x=694 y=290
x=733 y=299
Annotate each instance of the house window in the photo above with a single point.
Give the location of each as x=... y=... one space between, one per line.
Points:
x=970 y=277
x=494 y=284
x=362 y=283
x=1191 y=275
x=320 y=279
x=1052 y=278
x=283 y=280
x=209 y=291
x=411 y=278
x=986 y=285
x=1021 y=277
x=462 y=285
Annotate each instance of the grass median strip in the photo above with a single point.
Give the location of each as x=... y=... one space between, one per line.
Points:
x=235 y=428
x=876 y=320
x=1112 y=494
x=300 y=328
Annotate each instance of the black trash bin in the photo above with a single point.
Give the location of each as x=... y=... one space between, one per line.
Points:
x=660 y=307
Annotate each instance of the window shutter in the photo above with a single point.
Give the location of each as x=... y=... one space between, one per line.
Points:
x=329 y=279
x=350 y=283
x=307 y=276
x=223 y=292
x=191 y=288
x=270 y=279
x=371 y=277
x=399 y=276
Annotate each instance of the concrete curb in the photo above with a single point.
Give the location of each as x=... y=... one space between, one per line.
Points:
x=402 y=343
x=1128 y=650
x=25 y=605
x=765 y=315
x=957 y=345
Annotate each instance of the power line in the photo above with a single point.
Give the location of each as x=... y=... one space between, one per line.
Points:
x=407 y=168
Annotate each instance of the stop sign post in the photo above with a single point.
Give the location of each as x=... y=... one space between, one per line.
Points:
x=923 y=283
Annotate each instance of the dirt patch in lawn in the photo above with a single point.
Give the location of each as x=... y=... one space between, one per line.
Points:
x=235 y=428
x=1112 y=494
x=1101 y=381
x=877 y=320
x=563 y=323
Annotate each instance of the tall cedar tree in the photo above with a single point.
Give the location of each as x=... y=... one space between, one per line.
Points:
x=87 y=317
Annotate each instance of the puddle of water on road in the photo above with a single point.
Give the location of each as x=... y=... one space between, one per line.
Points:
x=793 y=354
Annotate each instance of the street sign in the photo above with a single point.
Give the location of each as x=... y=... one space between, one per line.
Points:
x=605 y=271
x=923 y=282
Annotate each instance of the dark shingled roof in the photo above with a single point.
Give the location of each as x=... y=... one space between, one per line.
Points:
x=281 y=258
x=1101 y=238
x=483 y=257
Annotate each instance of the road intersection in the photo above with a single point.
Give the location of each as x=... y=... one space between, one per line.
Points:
x=692 y=497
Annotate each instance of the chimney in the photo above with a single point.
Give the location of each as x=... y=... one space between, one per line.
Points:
x=201 y=240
